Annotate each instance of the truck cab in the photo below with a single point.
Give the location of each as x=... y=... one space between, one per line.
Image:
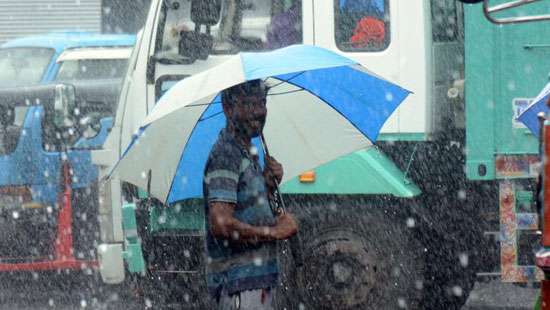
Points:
x=407 y=42
x=37 y=72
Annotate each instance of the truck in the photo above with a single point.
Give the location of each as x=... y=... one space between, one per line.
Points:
x=47 y=181
x=444 y=197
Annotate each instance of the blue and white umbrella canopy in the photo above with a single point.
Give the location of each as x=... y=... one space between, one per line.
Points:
x=529 y=116
x=321 y=106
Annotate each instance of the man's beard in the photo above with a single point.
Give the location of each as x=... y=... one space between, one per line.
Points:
x=249 y=131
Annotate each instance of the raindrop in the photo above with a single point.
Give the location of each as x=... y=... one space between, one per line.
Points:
x=235 y=235
x=186 y=253
x=143 y=175
x=258 y=261
x=83 y=303
x=463 y=258
x=15 y=214
x=148 y=303
x=457 y=290
x=50 y=302
x=511 y=85
x=418 y=284
x=302 y=306
x=389 y=96
x=461 y=194
x=401 y=303
x=253 y=150
x=396 y=272
x=162 y=219
x=410 y=222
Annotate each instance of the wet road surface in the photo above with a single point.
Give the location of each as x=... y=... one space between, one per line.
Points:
x=62 y=292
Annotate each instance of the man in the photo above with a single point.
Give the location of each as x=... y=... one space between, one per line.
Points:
x=241 y=227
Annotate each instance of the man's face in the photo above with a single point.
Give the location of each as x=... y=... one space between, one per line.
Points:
x=248 y=113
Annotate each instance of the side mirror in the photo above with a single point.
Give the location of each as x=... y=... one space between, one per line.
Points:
x=64 y=105
x=195 y=45
x=206 y=12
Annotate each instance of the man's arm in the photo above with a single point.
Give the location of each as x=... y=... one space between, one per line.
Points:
x=224 y=225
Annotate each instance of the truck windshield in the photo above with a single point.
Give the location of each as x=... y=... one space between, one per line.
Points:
x=91 y=69
x=23 y=66
x=243 y=26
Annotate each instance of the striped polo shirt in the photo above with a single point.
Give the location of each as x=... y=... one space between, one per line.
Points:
x=233 y=175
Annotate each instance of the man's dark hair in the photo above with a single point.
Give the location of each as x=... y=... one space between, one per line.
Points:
x=243 y=89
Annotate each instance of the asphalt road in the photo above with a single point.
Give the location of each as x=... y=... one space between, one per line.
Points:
x=65 y=293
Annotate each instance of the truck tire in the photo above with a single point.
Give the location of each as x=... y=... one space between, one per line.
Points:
x=361 y=258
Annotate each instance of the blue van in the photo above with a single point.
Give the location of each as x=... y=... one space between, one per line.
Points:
x=48 y=185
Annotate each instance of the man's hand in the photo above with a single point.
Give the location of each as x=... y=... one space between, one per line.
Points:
x=285 y=228
x=273 y=172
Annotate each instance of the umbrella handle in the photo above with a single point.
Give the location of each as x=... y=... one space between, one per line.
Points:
x=279 y=203
x=278 y=207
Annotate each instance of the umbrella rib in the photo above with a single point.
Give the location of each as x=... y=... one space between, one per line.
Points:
x=286 y=81
x=211 y=116
x=286 y=92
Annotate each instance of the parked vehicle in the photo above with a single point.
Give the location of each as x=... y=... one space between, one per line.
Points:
x=58 y=95
x=409 y=223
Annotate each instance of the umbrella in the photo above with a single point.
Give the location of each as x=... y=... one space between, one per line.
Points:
x=320 y=105
x=529 y=116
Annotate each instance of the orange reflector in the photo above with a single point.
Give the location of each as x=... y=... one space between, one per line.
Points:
x=307 y=177
x=32 y=205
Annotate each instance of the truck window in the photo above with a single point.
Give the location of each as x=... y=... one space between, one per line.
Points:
x=243 y=26
x=11 y=127
x=23 y=66
x=91 y=69
x=362 y=25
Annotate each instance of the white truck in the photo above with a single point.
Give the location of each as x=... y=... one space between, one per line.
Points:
x=375 y=232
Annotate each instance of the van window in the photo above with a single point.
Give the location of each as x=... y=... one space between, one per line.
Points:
x=362 y=25
x=23 y=66
x=243 y=25
x=91 y=69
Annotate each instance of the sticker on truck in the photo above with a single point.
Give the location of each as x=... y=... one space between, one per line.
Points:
x=518 y=106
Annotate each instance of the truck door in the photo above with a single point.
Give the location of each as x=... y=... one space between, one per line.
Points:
x=377 y=35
